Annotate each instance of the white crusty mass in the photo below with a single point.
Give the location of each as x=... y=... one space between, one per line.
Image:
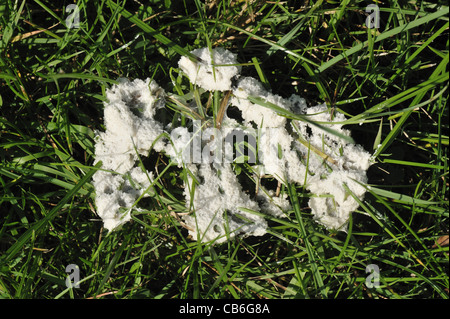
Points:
x=130 y=131
x=330 y=168
x=213 y=71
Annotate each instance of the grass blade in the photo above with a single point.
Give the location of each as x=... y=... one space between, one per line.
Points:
x=14 y=249
x=385 y=35
x=313 y=262
x=147 y=29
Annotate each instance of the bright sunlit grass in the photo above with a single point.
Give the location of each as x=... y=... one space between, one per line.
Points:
x=391 y=83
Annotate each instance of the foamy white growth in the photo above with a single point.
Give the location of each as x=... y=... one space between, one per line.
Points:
x=129 y=122
x=116 y=195
x=217 y=203
x=213 y=71
x=327 y=165
x=346 y=165
x=130 y=131
x=277 y=156
x=261 y=116
x=333 y=203
x=278 y=153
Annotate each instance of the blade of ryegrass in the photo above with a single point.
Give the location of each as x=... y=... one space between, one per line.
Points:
x=401 y=197
x=408 y=269
x=434 y=80
x=119 y=49
x=153 y=32
x=346 y=242
x=429 y=17
x=336 y=17
x=260 y=72
x=313 y=262
x=78 y=76
x=415 y=164
x=37 y=227
x=377 y=140
x=259 y=289
x=198 y=102
x=271 y=218
x=45 y=173
x=54 y=15
x=383 y=225
x=416 y=53
x=6 y=76
x=418 y=239
x=222 y=271
x=98 y=42
x=9 y=29
x=111 y=266
x=415 y=91
x=68 y=289
x=294 y=31
x=296 y=288
x=294 y=55
x=324 y=95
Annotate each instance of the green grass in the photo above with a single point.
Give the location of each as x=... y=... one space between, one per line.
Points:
x=392 y=84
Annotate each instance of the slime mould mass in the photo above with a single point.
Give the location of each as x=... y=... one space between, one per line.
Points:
x=329 y=166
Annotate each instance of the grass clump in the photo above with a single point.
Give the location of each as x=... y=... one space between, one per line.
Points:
x=390 y=82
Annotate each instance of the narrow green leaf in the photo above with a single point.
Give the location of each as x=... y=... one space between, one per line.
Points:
x=313 y=263
x=385 y=35
x=401 y=197
x=153 y=32
x=78 y=76
x=32 y=231
x=378 y=137
x=408 y=163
